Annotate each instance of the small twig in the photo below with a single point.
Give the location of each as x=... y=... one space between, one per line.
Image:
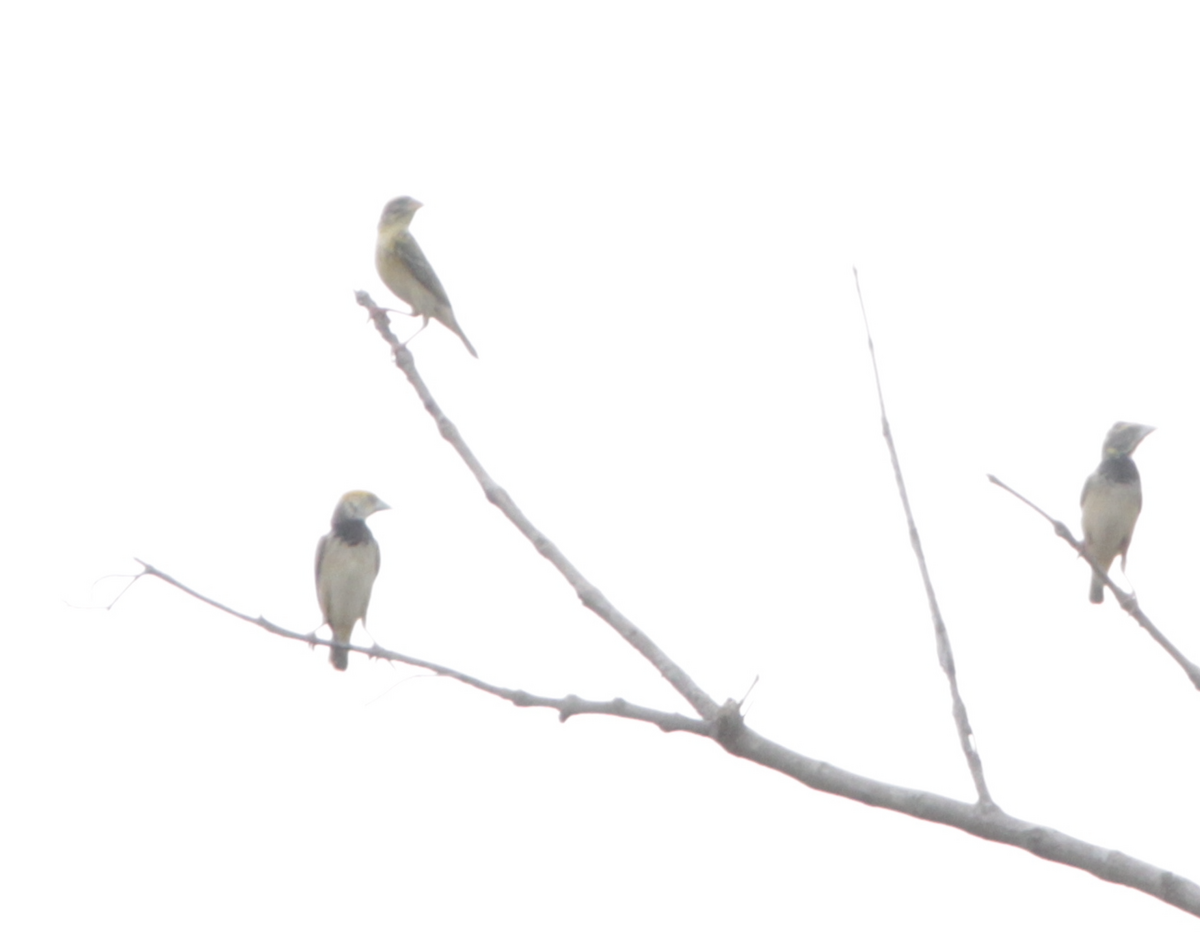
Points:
x=591 y=597
x=1127 y=600
x=111 y=605
x=749 y=690
x=966 y=737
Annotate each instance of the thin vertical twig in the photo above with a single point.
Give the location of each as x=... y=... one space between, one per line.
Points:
x=966 y=737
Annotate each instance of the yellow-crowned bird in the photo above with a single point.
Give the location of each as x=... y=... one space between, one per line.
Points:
x=1112 y=500
x=347 y=564
x=405 y=271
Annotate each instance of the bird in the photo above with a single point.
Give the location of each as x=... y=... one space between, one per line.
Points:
x=346 y=567
x=1112 y=500
x=405 y=271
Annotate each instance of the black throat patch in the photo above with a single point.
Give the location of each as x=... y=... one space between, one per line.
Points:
x=354 y=532
x=1119 y=469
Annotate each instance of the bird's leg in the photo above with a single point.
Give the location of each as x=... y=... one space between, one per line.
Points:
x=385 y=309
x=416 y=333
x=312 y=646
x=375 y=645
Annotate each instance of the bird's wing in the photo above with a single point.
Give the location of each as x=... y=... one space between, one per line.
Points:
x=372 y=548
x=1087 y=487
x=413 y=257
x=320 y=556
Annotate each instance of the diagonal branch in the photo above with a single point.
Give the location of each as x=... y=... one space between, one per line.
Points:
x=966 y=737
x=1127 y=600
x=984 y=820
x=591 y=597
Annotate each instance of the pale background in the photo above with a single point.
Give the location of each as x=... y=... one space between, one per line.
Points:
x=646 y=215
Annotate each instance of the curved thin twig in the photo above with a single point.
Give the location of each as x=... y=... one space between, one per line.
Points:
x=567 y=706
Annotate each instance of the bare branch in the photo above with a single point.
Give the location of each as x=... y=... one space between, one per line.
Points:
x=986 y=821
x=728 y=729
x=1127 y=600
x=591 y=597
x=966 y=737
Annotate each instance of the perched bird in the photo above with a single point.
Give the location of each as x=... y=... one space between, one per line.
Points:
x=1112 y=500
x=347 y=564
x=405 y=271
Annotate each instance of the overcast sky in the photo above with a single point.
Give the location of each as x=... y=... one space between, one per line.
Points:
x=646 y=216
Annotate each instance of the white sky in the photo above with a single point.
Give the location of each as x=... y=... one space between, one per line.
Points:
x=646 y=216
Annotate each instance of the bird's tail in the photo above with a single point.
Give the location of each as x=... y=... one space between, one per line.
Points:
x=466 y=341
x=1097 y=594
x=340 y=657
x=446 y=315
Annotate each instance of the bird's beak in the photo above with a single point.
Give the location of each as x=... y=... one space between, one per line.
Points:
x=383 y=507
x=417 y=204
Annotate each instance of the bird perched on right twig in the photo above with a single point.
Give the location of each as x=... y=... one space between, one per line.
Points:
x=405 y=271
x=1112 y=501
